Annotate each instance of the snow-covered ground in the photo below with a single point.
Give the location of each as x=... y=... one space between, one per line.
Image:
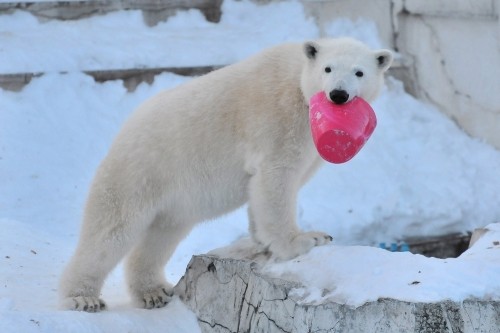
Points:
x=418 y=175
x=355 y=275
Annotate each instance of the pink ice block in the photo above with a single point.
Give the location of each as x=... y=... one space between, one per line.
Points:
x=339 y=131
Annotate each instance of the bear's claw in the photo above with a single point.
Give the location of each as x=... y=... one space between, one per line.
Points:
x=84 y=303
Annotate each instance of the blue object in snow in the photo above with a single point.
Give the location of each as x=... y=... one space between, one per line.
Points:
x=405 y=247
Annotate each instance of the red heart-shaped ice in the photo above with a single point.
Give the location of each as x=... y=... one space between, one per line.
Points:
x=339 y=131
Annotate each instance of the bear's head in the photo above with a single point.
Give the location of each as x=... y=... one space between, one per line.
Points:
x=343 y=68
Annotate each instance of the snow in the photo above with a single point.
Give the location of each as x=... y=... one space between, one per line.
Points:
x=364 y=274
x=122 y=40
x=418 y=175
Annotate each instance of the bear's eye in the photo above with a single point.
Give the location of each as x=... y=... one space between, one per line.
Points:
x=328 y=69
x=359 y=74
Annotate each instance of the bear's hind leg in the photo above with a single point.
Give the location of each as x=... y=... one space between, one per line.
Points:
x=96 y=255
x=145 y=264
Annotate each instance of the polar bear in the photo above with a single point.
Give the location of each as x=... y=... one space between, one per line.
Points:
x=239 y=134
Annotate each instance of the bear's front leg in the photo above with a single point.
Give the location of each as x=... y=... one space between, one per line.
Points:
x=272 y=212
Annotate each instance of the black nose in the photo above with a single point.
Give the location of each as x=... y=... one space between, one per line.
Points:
x=339 y=96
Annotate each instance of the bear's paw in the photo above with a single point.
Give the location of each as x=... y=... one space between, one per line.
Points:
x=83 y=303
x=300 y=244
x=157 y=298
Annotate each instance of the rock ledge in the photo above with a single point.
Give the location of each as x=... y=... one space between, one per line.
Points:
x=231 y=295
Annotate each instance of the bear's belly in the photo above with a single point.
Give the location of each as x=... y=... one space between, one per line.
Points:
x=207 y=194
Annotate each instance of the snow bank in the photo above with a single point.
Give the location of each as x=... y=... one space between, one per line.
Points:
x=418 y=175
x=355 y=275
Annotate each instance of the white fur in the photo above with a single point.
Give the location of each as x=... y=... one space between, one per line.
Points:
x=239 y=134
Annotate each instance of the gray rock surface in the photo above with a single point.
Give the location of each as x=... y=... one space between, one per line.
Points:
x=231 y=295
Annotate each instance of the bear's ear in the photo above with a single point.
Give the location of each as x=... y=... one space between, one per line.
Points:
x=311 y=49
x=384 y=59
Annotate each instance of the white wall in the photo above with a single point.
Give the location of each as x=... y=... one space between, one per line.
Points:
x=455 y=47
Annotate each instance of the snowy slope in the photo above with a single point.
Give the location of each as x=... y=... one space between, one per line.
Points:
x=418 y=175
x=122 y=40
